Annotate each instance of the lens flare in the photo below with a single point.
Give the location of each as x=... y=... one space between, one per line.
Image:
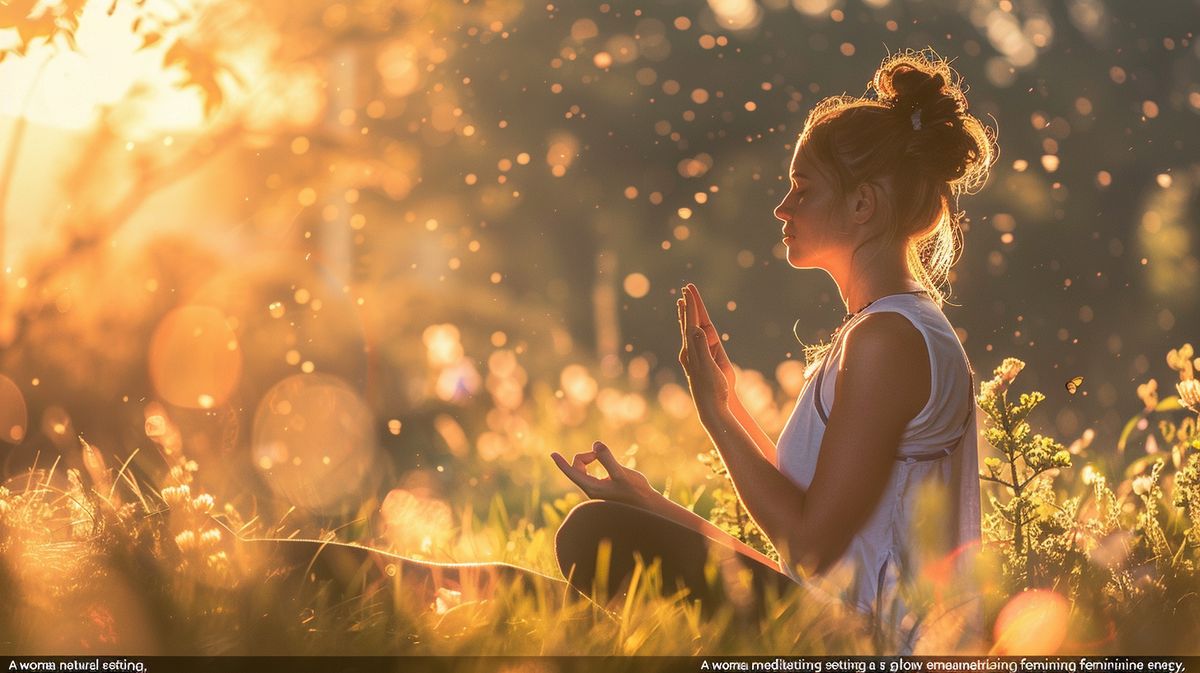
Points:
x=314 y=441
x=14 y=416
x=1033 y=623
x=415 y=524
x=195 y=360
x=578 y=384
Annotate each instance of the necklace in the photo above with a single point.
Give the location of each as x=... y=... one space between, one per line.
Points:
x=833 y=337
x=851 y=316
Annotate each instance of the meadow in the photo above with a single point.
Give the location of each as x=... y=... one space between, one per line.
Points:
x=1085 y=551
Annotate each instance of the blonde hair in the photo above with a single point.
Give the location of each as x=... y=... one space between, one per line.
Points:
x=912 y=126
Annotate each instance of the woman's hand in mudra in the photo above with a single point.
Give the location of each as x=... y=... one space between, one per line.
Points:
x=624 y=485
x=710 y=373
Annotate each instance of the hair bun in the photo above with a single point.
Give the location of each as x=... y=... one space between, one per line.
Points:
x=949 y=142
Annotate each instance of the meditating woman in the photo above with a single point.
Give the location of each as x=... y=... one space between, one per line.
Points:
x=887 y=409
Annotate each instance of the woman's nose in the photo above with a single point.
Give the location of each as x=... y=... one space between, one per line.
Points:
x=781 y=211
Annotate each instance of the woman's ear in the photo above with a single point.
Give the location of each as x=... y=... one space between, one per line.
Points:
x=863 y=201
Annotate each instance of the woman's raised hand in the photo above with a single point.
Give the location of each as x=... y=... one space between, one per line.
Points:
x=715 y=347
x=709 y=371
x=625 y=485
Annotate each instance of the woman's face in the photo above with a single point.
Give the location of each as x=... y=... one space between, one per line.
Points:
x=814 y=223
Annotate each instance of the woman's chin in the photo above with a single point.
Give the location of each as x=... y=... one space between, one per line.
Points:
x=797 y=261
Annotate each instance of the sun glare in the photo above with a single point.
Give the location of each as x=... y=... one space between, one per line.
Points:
x=68 y=88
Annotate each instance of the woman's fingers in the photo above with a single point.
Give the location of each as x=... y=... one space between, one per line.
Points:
x=699 y=303
x=566 y=468
x=607 y=459
x=579 y=476
x=698 y=334
x=581 y=460
x=703 y=319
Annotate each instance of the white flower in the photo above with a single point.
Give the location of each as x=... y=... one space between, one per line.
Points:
x=203 y=503
x=1189 y=393
x=1141 y=485
x=186 y=541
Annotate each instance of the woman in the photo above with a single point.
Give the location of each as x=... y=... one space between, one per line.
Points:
x=887 y=409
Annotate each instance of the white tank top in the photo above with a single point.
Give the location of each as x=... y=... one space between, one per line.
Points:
x=938 y=445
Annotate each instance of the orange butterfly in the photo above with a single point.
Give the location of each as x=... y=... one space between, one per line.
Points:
x=1073 y=384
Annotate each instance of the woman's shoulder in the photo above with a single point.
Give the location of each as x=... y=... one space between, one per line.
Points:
x=885 y=335
x=922 y=313
x=887 y=351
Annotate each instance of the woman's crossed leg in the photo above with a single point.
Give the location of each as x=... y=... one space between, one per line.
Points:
x=707 y=566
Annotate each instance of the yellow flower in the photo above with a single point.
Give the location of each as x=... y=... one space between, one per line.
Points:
x=1008 y=369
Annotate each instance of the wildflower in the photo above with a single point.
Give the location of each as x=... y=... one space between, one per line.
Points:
x=1189 y=393
x=1089 y=475
x=1142 y=485
x=992 y=464
x=203 y=503
x=1148 y=394
x=210 y=537
x=175 y=495
x=1062 y=458
x=1008 y=370
x=988 y=391
x=218 y=561
x=186 y=541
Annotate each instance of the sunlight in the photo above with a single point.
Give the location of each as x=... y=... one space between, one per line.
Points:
x=67 y=89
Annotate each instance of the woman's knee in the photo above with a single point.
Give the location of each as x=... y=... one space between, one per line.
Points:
x=627 y=532
x=579 y=536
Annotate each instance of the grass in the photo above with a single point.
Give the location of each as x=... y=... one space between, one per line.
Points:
x=146 y=557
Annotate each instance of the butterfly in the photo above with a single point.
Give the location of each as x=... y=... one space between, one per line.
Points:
x=1073 y=384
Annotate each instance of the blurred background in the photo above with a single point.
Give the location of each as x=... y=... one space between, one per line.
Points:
x=398 y=251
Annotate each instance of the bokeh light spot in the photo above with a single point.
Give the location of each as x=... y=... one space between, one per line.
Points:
x=191 y=363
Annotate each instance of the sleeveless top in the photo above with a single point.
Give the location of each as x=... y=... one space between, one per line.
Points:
x=938 y=447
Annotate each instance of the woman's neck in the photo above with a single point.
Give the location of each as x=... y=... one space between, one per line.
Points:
x=878 y=281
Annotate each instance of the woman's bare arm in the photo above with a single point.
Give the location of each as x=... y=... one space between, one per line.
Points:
x=881 y=386
x=765 y=446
